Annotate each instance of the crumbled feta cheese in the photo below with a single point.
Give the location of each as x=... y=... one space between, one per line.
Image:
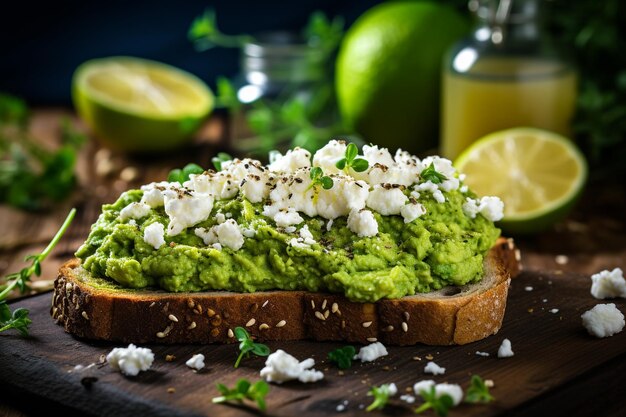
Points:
x=407 y=398
x=479 y=353
x=291 y=161
x=327 y=157
x=287 y=218
x=492 y=208
x=392 y=389
x=196 y=361
x=249 y=233
x=608 y=284
x=432 y=368
x=363 y=223
x=505 y=351
x=386 y=200
x=603 y=320
x=432 y=188
x=329 y=225
x=281 y=366
x=554 y=310
x=186 y=209
x=152 y=197
x=453 y=390
x=412 y=211
x=226 y=234
x=220 y=218
x=217 y=246
x=371 y=352
x=134 y=211
x=375 y=155
x=130 y=360
x=464 y=189
x=307 y=236
x=153 y=235
x=528 y=288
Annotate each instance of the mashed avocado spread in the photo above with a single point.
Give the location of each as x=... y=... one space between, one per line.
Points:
x=400 y=227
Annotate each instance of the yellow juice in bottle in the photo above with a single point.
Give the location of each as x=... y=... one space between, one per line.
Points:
x=499 y=93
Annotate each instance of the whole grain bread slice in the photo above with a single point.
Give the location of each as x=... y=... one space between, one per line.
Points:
x=92 y=308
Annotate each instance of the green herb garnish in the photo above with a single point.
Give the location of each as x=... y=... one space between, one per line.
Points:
x=351 y=161
x=431 y=174
x=247 y=345
x=440 y=404
x=33 y=177
x=206 y=35
x=318 y=178
x=244 y=390
x=182 y=175
x=478 y=392
x=18 y=319
x=219 y=159
x=381 y=396
x=342 y=356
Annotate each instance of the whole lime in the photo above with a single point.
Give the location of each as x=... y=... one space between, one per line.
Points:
x=137 y=105
x=388 y=72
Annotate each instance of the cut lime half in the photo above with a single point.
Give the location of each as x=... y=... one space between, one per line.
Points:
x=135 y=104
x=537 y=174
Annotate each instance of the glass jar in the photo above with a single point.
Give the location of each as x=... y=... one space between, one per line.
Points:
x=506 y=74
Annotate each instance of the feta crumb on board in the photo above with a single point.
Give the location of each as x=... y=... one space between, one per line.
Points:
x=281 y=367
x=196 y=361
x=134 y=211
x=432 y=368
x=608 y=284
x=479 y=353
x=603 y=320
x=371 y=352
x=453 y=390
x=505 y=350
x=130 y=360
x=407 y=398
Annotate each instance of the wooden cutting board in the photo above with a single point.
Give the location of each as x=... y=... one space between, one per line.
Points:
x=558 y=369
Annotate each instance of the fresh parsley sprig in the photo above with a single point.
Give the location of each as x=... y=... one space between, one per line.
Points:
x=350 y=160
x=18 y=319
x=205 y=34
x=243 y=390
x=342 y=356
x=318 y=178
x=381 y=396
x=440 y=404
x=431 y=174
x=247 y=345
x=182 y=175
x=478 y=391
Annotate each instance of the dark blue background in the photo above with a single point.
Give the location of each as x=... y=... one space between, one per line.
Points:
x=42 y=43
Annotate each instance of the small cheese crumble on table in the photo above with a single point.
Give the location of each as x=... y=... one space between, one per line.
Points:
x=603 y=320
x=505 y=351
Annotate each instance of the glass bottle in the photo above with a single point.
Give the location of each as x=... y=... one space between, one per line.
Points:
x=504 y=75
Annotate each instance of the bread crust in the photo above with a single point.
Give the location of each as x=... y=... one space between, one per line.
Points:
x=453 y=315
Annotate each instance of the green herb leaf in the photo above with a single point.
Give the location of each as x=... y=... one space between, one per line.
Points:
x=360 y=165
x=318 y=178
x=19 y=318
x=227 y=95
x=243 y=390
x=341 y=164
x=351 y=152
x=324 y=33
x=175 y=175
x=190 y=169
x=342 y=356
x=247 y=345
x=218 y=159
x=478 y=392
x=205 y=33
x=350 y=160
x=316 y=172
x=327 y=183
x=431 y=174
x=440 y=404
x=381 y=397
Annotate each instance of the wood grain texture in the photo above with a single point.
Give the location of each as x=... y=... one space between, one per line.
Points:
x=555 y=361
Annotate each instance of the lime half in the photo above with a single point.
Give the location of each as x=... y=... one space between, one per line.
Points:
x=134 y=104
x=537 y=174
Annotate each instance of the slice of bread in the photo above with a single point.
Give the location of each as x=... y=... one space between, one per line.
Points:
x=93 y=308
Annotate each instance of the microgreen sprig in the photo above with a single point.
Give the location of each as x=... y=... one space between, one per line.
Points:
x=247 y=345
x=478 y=391
x=318 y=178
x=182 y=175
x=342 y=356
x=381 y=396
x=205 y=33
x=440 y=404
x=351 y=161
x=431 y=174
x=244 y=389
x=219 y=159
x=18 y=319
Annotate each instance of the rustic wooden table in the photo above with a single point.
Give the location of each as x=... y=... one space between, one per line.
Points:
x=545 y=376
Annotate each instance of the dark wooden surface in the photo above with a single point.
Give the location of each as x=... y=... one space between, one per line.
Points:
x=557 y=369
x=554 y=357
